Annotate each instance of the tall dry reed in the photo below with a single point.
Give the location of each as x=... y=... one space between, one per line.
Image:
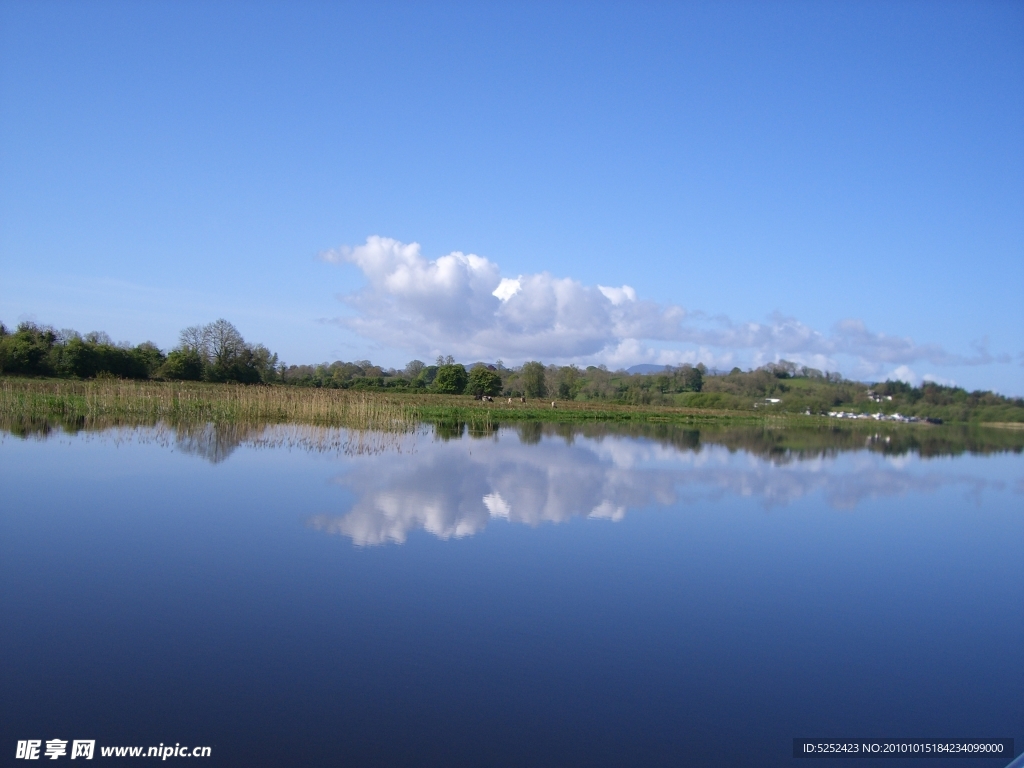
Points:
x=114 y=401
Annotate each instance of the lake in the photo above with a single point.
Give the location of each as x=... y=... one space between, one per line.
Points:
x=525 y=595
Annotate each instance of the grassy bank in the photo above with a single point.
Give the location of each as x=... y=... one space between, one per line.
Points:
x=107 y=402
x=133 y=402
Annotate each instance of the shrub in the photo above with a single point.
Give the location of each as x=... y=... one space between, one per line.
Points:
x=182 y=365
x=451 y=379
x=483 y=381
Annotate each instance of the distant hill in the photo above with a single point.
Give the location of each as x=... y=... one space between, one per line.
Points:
x=646 y=368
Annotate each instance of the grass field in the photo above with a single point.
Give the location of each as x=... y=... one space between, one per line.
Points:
x=147 y=402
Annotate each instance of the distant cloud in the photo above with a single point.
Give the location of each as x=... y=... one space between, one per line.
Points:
x=903 y=373
x=460 y=304
x=931 y=377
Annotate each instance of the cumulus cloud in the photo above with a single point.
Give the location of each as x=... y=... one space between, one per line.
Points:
x=618 y=296
x=461 y=304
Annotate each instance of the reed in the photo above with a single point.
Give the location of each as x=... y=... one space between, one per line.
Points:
x=112 y=402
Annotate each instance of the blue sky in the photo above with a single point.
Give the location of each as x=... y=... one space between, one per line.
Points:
x=840 y=184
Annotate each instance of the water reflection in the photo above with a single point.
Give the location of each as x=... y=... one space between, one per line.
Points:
x=214 y=442
x=455 y=488
x=781 y=443
x=453 y=479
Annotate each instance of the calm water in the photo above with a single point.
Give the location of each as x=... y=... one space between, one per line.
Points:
x=520 y=598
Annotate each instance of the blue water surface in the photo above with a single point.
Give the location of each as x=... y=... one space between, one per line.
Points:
x=294 y=597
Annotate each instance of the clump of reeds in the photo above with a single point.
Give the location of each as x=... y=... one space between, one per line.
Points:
x=87 y=404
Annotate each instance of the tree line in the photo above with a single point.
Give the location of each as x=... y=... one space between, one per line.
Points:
x=533 y=379
x=217 y=352
x=212 y=352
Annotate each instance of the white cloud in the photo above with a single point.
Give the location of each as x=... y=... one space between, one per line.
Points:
x=507 y=288
x=618 y=296
x=903 y=373
x=460 y=304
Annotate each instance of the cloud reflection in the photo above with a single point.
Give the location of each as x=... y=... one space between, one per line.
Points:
x=454 y=488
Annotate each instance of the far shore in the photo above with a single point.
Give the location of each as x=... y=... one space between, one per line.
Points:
x=127 y=401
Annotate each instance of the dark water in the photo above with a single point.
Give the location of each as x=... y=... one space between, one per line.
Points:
x=519 y=598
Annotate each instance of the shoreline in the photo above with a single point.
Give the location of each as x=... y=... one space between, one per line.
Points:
x=126 y=401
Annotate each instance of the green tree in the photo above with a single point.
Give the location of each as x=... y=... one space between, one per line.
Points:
x=570 y=381
x=182 y=365
x=262 y=362
x=451 y=379
x=27 y=350
x=150 y=356
x=694 y=380
x=226 y=356
x=426 y=376
x=94 y=355
x=225 y=349
x=483 y=381
x=532 y=379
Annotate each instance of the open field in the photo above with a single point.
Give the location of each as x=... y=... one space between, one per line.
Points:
x=147 y=402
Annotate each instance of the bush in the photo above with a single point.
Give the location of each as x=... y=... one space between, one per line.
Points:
x=451 y=379
x=86 y=359
x=26 y=351
x=483 y=381
x=182 y=365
